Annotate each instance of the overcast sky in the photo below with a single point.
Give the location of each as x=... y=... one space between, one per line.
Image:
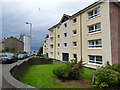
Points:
x=16 y=12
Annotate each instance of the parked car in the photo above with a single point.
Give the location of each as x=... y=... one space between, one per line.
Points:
x=8 y=58
x=21 y=56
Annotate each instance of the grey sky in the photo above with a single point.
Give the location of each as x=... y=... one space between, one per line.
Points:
x=15 y=14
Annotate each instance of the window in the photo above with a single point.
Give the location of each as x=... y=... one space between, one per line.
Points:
x=58 y=45
x=58 y=54
x=51 y=46
x=65 y=45
x=58 y=28
x=74 y=32
x=95 y=59
x=65 y=24
x=74 y=44
x=74 y=21
x=58 y=36
x=51 y=39
x=65 y=34
x=94 y=28
x=51 y=53
x=95 y=44
x=51 y=31
x=75 y=56
x=94 y=13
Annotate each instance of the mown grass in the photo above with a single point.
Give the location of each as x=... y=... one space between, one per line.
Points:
x=41 y=76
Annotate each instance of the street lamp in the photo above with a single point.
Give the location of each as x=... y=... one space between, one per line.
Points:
x=30 y=32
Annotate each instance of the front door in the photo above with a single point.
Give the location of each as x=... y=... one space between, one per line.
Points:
x=65 y=56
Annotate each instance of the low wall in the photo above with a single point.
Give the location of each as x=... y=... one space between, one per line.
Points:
x=12 y=76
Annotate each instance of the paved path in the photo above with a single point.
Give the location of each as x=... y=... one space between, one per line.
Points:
x=57 y=62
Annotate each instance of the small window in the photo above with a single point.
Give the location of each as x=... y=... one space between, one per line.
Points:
x=51 y=39
x=51 y=53
x=65 y=34
x=74 y=44
x=51 y=31
x=58 y=36
x=58 y=27
x=65 y=24
x=58 y=54
x=75 y=56
x=74 y=32
x=51 y=46
x=95 y=59
x=74 y=21
x=58 y=45
x=65 y=45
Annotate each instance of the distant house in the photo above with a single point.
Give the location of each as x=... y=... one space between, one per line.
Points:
x=14 y=43
x=2 y=45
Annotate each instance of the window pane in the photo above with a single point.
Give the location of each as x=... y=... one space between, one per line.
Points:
x=97 y=26
x=91 y=42
x=98 y=58
x=92 y=58
x=98 y=10
x=90 y=13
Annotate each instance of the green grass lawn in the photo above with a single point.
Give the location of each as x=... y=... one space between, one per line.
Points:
x=41 y=76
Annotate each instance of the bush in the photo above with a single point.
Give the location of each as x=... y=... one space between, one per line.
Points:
x=62 y=72
x=72 y=70
x=116 y=67
x=106 y=78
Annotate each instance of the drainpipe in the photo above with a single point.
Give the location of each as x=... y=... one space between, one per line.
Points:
x=55 y=44
x=81 y=33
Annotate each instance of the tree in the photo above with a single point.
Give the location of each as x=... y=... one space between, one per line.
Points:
x=12 y=49
x=7 y=49
x=40 y=50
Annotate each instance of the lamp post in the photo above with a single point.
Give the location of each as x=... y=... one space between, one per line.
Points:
x=30 y=32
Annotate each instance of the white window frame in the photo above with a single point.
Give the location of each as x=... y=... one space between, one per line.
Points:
x=94 y=30
x=51 y=39
x=51 y=32
x=58 y=45
x=73 y=56
x=94 y=15
x=66 y=35
x=73 y=32
x=58 y=54
x=57 y=36
x=95 y=45
x=73 y=44
x=51 y=54
x=58 y=27
x=65 y=46
x=74 y=22
x=51 y=46
x=94 y=62
x=65 y=25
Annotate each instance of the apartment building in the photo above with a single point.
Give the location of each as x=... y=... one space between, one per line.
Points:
x=92 y=34
x=46 y=46
x=26 y=40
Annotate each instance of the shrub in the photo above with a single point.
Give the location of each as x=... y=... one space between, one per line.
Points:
x=77 y=68
x=62 y=72
x=72 y=70
x=106 y=78
x=116 y=67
